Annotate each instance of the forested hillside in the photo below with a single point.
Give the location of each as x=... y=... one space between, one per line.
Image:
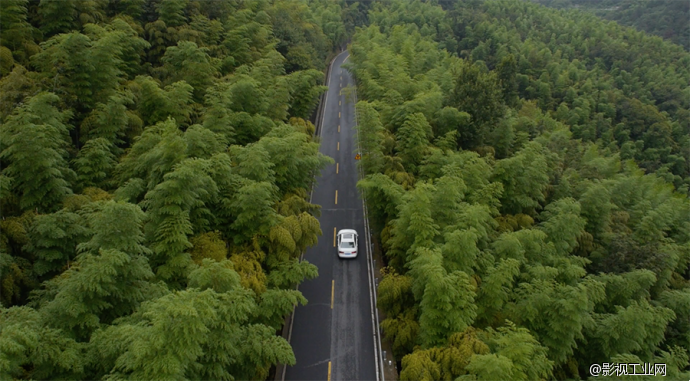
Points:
x=527 y=170
x=664 y=18
x=527 y=174
x=156 y=156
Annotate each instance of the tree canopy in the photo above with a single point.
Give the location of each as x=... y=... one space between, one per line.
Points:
x=155 y=161
x=527 y=180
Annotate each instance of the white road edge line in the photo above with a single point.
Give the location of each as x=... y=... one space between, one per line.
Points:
x=311 y=195
x=378 y=356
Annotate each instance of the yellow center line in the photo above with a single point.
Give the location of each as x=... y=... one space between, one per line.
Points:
x=336 y=197
x=333 y=237
x=341 y=85
x=338 y=146
x=336 y=168
x=329 y=371
x=341 y=77
x=338 y=114
x=338 y=103
x=332 y=292
x=338 y=128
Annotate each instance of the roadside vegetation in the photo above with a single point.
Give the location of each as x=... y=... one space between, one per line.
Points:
x=156 y=157
x=527 y=170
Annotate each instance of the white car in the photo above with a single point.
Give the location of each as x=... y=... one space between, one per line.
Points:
x=347 y=243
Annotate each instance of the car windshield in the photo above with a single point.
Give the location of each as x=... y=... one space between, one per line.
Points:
x=347 y=245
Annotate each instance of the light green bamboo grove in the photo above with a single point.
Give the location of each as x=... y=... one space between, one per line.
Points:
x=155 y=165
x=525 y=237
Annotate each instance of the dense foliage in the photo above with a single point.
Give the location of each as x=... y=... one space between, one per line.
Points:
x=664 y=18
x=527 y=170
x=156 y=157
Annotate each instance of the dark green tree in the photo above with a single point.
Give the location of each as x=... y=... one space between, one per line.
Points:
x=95 y=162
x=31 y=348
x=17 y=33
x=412 y=140
x=34 y=142
x=479 y=94
x=190 y=63
x=110 y=277
x=53 y=239
x=524 y=178
x=176 y=207
x=172 y=12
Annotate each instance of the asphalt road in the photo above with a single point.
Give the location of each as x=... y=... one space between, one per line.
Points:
x=332 y=336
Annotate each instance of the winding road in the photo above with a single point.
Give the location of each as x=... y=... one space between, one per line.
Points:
x=333 y=335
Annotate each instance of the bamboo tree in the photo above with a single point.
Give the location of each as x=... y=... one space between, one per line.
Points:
x=94 y=162
x=34 y=142
x=176 y=208
x=110 y=277
x=53 y=238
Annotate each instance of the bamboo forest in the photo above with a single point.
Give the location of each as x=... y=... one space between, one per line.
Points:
x=525 y=166
x=668 y=19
